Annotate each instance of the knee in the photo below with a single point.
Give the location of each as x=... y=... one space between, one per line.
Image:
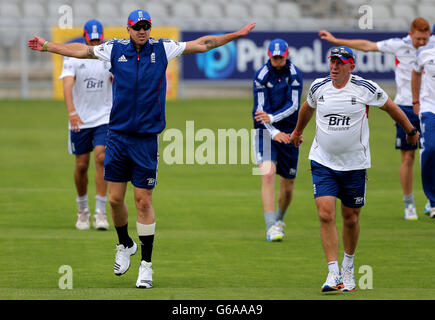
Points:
x=287 y=189
x=268 y=177
x=268 y=173
x=350 y=220
x=326 y=217
x=115 y=200
x=408 y=158
x=99 y=158
x=82 y=167
x=144 y=204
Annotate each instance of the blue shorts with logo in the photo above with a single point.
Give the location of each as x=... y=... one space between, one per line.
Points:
x=131 y=158
x=348 y=186
x=401 y=134
x=87 y=139
x=285 y=156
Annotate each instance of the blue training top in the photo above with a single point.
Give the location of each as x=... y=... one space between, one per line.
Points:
x=139 y=87
x=278 y=94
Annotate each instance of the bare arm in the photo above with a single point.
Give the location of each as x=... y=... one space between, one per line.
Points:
x=74 y=119
x=207 y=43
x=400 y=117
x=76 y=50
x=358 y=44
x=415 y=87
x=305 y=115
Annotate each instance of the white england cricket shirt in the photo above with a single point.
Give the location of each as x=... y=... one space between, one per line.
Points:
x=426 y=65
x=92 y=91
x=342 y=131
x=405 y=55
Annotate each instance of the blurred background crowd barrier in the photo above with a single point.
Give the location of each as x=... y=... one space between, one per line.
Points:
x=27 y=74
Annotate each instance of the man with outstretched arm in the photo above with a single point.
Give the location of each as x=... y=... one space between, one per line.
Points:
x=137 y=117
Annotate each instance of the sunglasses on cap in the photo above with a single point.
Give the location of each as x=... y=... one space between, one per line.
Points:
x=146 y=26
x=342 y=52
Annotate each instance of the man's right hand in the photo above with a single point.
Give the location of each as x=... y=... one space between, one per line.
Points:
x=296 y=139
x=75 y=122
x=37 y=43
x=282 y=137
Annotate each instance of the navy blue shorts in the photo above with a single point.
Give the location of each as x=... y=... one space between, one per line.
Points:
x=131 y=158
x=348 y=186
x=401 y=134
x=85 y=140
x=285 y=156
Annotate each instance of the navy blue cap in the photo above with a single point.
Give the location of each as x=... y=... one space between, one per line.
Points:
x=277 y=47
x=93 y=29
x=344 y=53
x=138 y=15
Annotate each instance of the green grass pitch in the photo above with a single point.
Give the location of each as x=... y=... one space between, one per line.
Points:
x=210 y=241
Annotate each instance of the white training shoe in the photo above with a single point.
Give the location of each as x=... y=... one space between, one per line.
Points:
x=427 y=208
x=122 y=258
x=348 y=278
x=100 y=220
x=410 y=212
x=333 y=282
x=82 y=222
x=432 y=212
x=276 y=232
x=145 y=277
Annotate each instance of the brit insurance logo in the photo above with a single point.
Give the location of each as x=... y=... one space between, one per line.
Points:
x=93 y=84
x=218 y=63
x=338 y=122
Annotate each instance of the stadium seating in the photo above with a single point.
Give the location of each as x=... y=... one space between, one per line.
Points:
x=184 y=13
x=37 y=17
x=82 y=12
x=127 y=7
x=427 y=10
x=263 y=14
x=159 y=15
x=209 y=15
x=108 y=12
x=404 y=11
x=236 y=15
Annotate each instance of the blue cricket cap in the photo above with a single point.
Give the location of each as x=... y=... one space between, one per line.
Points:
x=138 y=15
x=93 y=29
x=344 y=53
x=277 y=47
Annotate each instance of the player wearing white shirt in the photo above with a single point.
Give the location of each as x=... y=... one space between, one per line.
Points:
x=340 y=154
x=404 y=50
x=137 y=117
x=88 y=97
x=423 y=89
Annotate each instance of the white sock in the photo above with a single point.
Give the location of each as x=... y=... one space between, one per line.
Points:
x=347 y=260
x=82 y=202
x=333 y=267
x=100 y=203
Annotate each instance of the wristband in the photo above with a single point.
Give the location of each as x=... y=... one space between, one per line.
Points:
x=297 y=133
x=412 y=133
x=44 y=47
x=415 y=102
x=72 y=113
